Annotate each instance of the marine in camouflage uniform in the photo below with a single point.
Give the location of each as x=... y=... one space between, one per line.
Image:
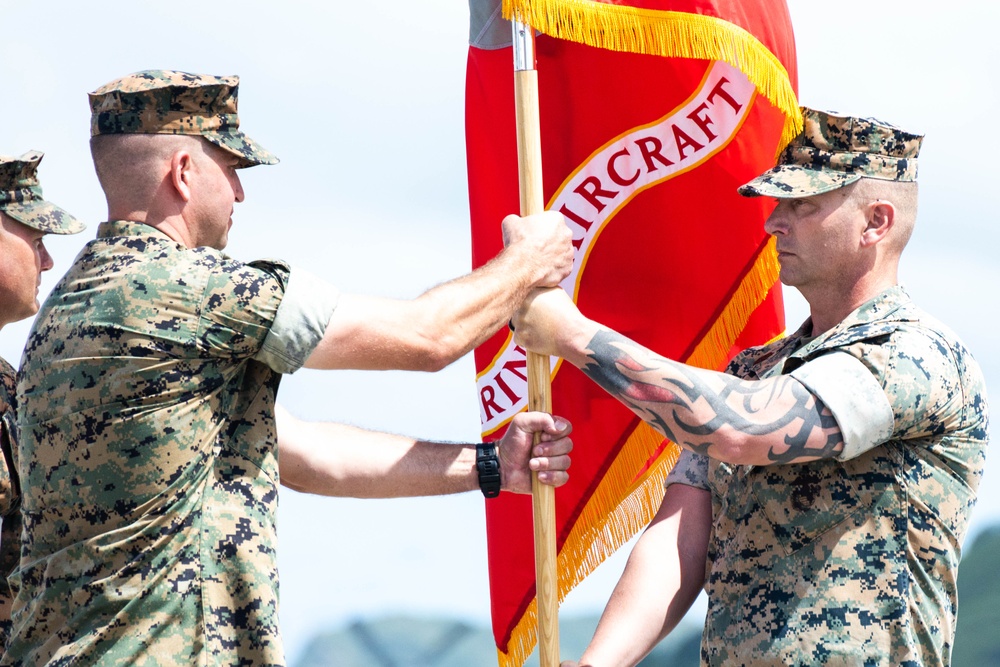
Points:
x=25 y=217
x=149 y=452
x=854 y=560
x=861 y=550
x=148 y=455
x=831 y=484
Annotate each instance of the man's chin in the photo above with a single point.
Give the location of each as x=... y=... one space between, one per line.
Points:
x=222 y=242
x=23 y=314
x=786 y=275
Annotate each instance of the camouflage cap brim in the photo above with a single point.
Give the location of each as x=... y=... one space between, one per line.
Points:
x=44 y=216
x=172 y=102
x=788 y=181
x=238 y=143
x=835 y=150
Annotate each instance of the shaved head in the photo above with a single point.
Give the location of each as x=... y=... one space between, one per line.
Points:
x=902 y=195
x=131 y=167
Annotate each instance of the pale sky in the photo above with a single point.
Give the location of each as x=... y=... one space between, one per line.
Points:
x=363 y=103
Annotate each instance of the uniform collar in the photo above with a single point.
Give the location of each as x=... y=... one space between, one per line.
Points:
x=130 y=228
x=878 y=309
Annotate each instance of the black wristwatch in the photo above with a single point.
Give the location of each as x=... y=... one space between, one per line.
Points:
x=488 y=467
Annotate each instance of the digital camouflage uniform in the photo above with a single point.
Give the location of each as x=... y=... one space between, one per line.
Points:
x=148 y=452
x=10 y=494
x=852 y=560
x=21 y=200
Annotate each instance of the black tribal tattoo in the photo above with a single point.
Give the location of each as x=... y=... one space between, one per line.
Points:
x=614 y=369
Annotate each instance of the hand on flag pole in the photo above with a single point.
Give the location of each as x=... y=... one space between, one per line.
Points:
x=549 y=459
x=547 y=320
x=545 y=240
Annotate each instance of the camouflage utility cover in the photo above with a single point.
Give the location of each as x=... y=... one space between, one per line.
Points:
x=21 y=197
x=169 y=102
x=853 y=562
x=148 y=453
x=833 y=151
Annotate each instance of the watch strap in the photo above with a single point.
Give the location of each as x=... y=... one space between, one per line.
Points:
x=488 y=468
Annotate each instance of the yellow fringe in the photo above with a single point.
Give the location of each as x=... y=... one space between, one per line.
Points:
x=622 y=505
x=668 y=34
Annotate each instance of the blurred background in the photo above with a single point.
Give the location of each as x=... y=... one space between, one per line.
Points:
x=363 y=103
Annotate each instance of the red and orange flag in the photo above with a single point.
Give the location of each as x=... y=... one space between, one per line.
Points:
x=652 y=113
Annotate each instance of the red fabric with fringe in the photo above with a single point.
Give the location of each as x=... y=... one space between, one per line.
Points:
x=644 y=154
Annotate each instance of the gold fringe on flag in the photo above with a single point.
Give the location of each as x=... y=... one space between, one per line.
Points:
x=605 y=523
x=668 y=34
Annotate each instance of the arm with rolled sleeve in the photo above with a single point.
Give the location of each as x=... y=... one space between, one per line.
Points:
x=917 y=385
x=855 y=397
x=920 y=388
x=299 y=323
x=341 y=460
x=447 y=321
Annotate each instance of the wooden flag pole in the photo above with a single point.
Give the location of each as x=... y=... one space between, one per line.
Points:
x=529 y=167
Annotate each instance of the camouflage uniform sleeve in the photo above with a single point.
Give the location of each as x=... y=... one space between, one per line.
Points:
x=929 y=385
x=9 y=488
x=10 y=498
x=264 y=310
x=8 y=476
x=690 y=469
x=237 y=308
x=300 y=322
x=854 y=395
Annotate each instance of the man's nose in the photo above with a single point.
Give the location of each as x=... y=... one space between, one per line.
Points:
x=46 y=258
x=777 y=222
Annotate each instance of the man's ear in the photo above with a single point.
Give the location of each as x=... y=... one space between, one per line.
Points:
x=181 y=173
x=880 y=215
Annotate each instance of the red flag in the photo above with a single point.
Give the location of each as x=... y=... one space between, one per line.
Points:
x=652 y=113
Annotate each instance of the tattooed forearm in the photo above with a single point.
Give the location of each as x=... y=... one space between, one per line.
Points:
x=694 y=407
x=816 y=418
x=607 y=368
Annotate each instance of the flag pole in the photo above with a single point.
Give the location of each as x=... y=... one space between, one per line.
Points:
x=529 y=168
